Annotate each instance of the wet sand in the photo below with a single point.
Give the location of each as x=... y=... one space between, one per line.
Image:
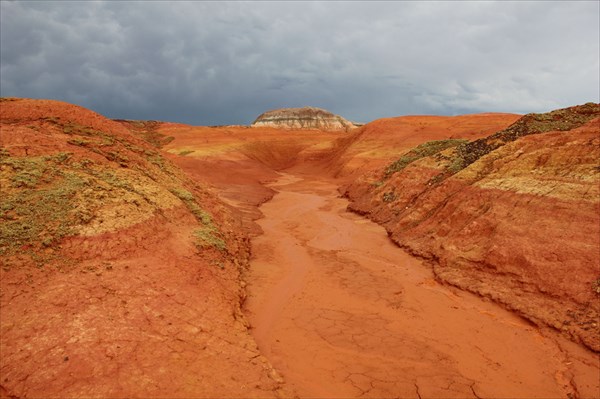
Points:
x=342 y=312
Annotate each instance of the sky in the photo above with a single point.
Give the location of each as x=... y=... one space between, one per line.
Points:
x=216 y=63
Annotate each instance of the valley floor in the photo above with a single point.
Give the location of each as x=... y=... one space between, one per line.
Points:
x=342 y=312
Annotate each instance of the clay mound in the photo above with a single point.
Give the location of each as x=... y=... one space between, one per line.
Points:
x=515 y=218
x=431 y=127
x=302 y=118
x=102 y=176
x=120 y=275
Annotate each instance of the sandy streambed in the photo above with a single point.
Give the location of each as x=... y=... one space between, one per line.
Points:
x=342 y=312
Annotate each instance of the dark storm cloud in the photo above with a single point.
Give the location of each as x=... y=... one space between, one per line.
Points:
x=226 y=62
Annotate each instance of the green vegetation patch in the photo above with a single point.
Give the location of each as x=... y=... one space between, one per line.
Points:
x=421 y=151
x=97 y=141
x=43 y=201
x=465 y=152
x=208 y=236
x=38 y=211
x=559 y=120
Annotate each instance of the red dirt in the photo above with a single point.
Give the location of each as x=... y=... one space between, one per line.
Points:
x=541 y=189
x=128 y=304
x=342 y=312
x=141 y=314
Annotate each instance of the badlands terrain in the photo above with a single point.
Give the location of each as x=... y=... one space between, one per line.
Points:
x=303 y=256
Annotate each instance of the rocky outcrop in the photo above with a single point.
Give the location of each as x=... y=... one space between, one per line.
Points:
x=303 y=118
x=513 y=217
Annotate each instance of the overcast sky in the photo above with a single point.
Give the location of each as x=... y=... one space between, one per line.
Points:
x=209 y=63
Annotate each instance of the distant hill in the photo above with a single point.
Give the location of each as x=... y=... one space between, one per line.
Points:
x=303 y=118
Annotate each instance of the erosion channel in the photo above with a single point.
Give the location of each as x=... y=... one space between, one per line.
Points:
x=342 y=312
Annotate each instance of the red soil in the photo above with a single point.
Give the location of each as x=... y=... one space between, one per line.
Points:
x=342 y=312
x=140 y=314
x=541 y=189
x=131 y=306
x=136 y=309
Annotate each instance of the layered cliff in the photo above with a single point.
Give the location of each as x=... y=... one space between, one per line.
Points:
x=302 y=118
x=514 y=216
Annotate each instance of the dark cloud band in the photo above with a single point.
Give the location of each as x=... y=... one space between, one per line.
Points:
x=226 y=62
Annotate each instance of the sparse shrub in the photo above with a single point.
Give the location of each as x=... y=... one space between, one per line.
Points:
x=182 y=194
x=421 y=151
x=208 y=237
x=114 y=180
x=78 y=142
x=60 y=157
x=115 y=156
x=389 y=196
x=27 y=178
x=29 y=172
x=561 y=119
x=437 y=179
x=596 y=286
x=156 y=159
x=456 y=165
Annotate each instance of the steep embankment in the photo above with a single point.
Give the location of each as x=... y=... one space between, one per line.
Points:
x=514 y=216
x=120 y=275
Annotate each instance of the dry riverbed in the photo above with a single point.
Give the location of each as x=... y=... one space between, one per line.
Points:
x=342 y=312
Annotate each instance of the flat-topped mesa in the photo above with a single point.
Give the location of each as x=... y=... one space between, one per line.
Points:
x=303 y=118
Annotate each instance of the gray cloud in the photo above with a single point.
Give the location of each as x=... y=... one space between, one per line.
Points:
x=226 y=62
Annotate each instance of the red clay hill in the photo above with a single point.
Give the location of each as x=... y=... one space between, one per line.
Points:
x=120 y=275
x=513 y=216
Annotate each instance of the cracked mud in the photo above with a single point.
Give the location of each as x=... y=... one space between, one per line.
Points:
x=341 y=312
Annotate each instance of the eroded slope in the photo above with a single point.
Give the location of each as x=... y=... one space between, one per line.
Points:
x=514 y=217
x=120 y=276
